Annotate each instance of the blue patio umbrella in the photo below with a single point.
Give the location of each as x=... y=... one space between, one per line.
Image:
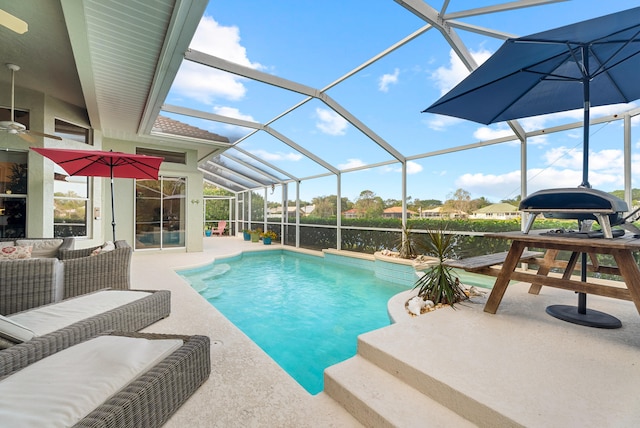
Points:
x=589 y=63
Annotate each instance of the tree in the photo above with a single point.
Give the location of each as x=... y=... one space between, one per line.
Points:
x=426 y=203
x=216 y=209
x=388 y=203
x=635 y=195
x=325 y=206
x=459 y=201
x=513 y=201
x=480 y=202
x=369 y=205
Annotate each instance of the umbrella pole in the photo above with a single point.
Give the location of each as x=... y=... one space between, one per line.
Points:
x=113 y=211
x=581 y=315
x=586 y=83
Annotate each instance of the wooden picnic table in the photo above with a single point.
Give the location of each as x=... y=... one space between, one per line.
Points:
x=621 y=249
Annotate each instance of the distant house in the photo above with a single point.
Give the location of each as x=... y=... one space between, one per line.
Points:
x=502 y=211
x=432 y=213
x=277 y=212
x=352 y=213
x=438 y=212
x=396 y=212
x=307 y=210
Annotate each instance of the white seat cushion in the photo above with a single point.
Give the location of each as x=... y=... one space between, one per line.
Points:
x=46 y=319
x=60 y=390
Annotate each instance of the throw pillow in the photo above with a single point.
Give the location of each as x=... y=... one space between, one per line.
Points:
x=7 y=244
x=96 y=251
x=41 y=248
x=15 y=253
x=13 y=331
x=108 y=246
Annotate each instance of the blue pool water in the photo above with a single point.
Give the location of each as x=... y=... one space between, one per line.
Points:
x=304 y=312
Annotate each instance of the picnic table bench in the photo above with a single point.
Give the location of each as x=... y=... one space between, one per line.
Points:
x=481 y=264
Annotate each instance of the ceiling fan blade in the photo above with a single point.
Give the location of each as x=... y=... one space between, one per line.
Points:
x=26 y=137
x=13 y=23
x=42 y=134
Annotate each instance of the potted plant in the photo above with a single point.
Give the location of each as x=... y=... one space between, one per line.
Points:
x=246 y=234
x=207 y=230
x=255 y=235
x=268 y=236
x=439 y=284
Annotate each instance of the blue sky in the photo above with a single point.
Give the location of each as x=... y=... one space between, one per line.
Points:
x=315 y=43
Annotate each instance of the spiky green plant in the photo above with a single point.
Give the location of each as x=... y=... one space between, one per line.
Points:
x=407 y=245
x=439 y=284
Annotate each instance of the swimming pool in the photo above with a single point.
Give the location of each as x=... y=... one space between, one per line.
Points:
x=304 y=312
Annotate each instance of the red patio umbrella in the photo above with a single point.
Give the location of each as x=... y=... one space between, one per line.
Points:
x=96 y=163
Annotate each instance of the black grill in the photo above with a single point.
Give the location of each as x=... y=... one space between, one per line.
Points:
x=576 y=204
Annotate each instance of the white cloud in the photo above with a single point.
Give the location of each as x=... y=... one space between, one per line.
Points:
x=233 y=132
x=330 y=122
x=448 y=76
x=496 y=187
x=564 y=169
x=604 y=160
x=205 y=84
x=576 y=115
x=412 y=168
x=388 y=79
x=351 y=163
x=221 y=41
x=277 y=156
x=486 y=133
x=488 y=184
x=232 y=112
x=441 y=123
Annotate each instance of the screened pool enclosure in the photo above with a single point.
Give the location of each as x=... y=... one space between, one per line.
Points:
x=337 y=129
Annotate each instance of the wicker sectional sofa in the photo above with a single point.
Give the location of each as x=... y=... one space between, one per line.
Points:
x=146 y=397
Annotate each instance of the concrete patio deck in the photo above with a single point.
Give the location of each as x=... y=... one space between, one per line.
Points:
x=464 y=367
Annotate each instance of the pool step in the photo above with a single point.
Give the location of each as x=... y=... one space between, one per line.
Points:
x=399 y=354
x=401 y=365
x=379 y=399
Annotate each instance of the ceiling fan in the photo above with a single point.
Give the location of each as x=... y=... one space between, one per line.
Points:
x=13 y=127
x=13 y=23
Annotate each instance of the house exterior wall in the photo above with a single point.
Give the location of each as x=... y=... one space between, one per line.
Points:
x=43 y=110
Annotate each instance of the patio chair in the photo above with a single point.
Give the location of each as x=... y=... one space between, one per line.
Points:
x=220 y=229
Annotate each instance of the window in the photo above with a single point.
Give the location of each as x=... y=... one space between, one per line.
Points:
x=173 y=157
x=70 y=204
x=21 y=116
x=13 y=194
x=73 y=132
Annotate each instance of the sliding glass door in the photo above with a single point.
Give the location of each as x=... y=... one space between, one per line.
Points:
x=160 y=213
